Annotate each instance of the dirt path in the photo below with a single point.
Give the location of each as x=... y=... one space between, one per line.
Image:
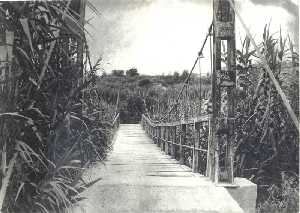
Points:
x=138 y=177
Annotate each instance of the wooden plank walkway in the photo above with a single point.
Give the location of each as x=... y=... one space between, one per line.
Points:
x=138 y=177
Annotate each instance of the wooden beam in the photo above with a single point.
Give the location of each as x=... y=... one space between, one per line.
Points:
x=173 y=147
x=223 y=87
x=159 y=136
x=182 y=142
x=163 y=136
x=167 y=139
x=196 y=138
x=210 y=154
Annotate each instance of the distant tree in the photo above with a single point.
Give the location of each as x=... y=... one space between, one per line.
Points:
x=133 y=109
x=145 y=82
x=184 y=75
x=176 y=76
x=117 y=72
x=132 y=72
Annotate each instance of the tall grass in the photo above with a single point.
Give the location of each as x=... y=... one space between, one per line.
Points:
x=49 y=131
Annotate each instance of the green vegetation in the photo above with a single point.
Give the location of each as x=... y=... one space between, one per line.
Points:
x=50 y=125
x=140 y=94
x=267 y=145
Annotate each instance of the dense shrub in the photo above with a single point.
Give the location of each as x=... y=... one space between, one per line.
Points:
x=118 y=73
x=132 y=72
x=50 y=127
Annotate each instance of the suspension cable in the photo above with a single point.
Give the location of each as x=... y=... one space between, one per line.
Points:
x=200 y=85
x=190 y=73
x=211 y=57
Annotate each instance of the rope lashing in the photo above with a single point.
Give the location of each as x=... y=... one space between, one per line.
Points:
x=268 y=69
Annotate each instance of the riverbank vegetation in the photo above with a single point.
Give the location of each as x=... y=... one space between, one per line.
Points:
x=50 y=128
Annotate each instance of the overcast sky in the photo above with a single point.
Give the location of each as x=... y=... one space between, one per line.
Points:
x=163 y=36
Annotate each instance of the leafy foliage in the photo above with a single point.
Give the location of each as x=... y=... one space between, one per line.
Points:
x=49 y=127
x=132 y=72
x=266 y=139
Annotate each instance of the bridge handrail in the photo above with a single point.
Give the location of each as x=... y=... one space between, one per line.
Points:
x=164 y=134
x=202 y=118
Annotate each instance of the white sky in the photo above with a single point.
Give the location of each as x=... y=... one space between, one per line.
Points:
x=163 y=36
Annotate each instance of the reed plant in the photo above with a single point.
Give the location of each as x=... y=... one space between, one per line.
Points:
x=49 y=131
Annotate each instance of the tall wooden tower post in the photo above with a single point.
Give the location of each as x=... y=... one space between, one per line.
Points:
x=223 y=86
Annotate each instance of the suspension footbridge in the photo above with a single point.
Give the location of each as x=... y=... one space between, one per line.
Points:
x=139 y=177
x=185 y=165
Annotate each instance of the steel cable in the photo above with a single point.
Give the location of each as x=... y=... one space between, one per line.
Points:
x=190 y=73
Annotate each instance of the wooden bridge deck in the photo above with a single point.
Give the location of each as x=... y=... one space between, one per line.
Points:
x=138 y=177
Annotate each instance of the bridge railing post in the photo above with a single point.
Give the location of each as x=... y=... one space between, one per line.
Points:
x=173 y=146
x=167 y=140
x=162 y=138
x=216 y=160
x=143 y=122
x=209 y=162
x=196 y=138
x=154 y=134
x=182 y=142
x=159 y=135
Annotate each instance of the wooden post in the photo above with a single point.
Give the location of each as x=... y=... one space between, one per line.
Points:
x=182 y=142
x=196 y=138
x=167 y=140
x=80 y=47
x=117 y=103
x=163 y=138
x=216 y=161
x=152 y=133
x=210 y=154
x=159 y=135
x=173 y=147
x=223 y=87
x=155 y=134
